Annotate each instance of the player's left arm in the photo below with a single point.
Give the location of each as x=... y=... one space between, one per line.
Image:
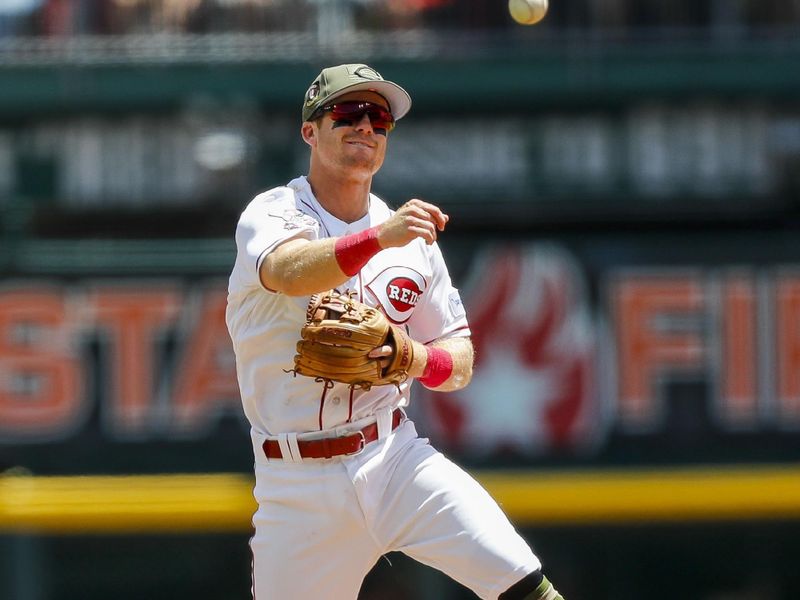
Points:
x=443 y=365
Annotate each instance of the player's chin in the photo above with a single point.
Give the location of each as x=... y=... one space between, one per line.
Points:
x=369 y=162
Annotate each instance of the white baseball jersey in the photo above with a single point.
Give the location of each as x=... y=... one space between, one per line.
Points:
x=321 y=524
x=410 y=285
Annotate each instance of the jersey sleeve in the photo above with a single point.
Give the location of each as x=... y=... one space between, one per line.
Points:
x=269 y=220
x=441 y=313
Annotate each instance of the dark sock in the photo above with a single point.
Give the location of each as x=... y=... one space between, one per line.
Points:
x=522 y=589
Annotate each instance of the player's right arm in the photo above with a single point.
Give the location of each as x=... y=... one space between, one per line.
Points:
x=299 y=267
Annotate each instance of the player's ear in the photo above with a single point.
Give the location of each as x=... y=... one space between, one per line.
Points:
x=309 y=132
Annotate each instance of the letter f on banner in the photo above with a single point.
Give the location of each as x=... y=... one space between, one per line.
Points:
x=658 y=322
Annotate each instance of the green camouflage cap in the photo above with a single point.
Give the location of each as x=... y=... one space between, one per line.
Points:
x=335 y=81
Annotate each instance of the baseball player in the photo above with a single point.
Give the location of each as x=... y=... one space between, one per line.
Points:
x=341 y=475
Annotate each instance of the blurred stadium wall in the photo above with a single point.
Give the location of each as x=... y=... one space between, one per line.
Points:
x=624 y=186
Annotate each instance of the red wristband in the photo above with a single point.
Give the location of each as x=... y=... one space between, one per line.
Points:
x=438 y=368
x=354 y=251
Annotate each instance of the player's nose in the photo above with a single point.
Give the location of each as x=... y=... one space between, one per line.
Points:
x=364 y=124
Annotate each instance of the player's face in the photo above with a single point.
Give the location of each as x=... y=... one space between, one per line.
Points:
x=355 y=142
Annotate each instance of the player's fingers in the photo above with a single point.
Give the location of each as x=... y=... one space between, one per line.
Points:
x=427 y=233
x=434 y=212
x=380 y=352
x=414 y=209
x=416 y=215
x=423 y=228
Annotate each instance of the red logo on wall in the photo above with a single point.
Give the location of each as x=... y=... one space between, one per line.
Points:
x=531 y=390
x=403 y=293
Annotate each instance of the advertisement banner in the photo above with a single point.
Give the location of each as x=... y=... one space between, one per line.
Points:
x=603 y=351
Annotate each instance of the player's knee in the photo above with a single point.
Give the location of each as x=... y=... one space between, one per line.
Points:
x=534 y=586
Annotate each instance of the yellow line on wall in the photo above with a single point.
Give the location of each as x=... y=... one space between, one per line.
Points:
x=223 y=502
x=126 y=504
x=615 y=496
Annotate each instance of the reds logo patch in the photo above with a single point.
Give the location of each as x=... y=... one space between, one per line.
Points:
x=403 y=293
x=312 y=93
x=398 y=290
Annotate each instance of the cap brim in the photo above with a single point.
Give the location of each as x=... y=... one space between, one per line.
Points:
x=398 y=99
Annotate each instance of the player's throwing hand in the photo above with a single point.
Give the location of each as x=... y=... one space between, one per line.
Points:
x=415 y=219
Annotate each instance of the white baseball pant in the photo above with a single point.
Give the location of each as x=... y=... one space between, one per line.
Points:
x=322 y=524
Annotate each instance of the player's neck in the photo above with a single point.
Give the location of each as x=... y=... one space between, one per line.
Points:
x=345 y=199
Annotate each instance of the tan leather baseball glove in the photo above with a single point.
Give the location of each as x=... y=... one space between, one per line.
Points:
x=338 y=336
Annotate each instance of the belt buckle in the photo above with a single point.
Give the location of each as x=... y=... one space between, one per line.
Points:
x=361 y=445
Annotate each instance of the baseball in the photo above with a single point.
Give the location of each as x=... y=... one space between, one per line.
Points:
x=527 y=12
